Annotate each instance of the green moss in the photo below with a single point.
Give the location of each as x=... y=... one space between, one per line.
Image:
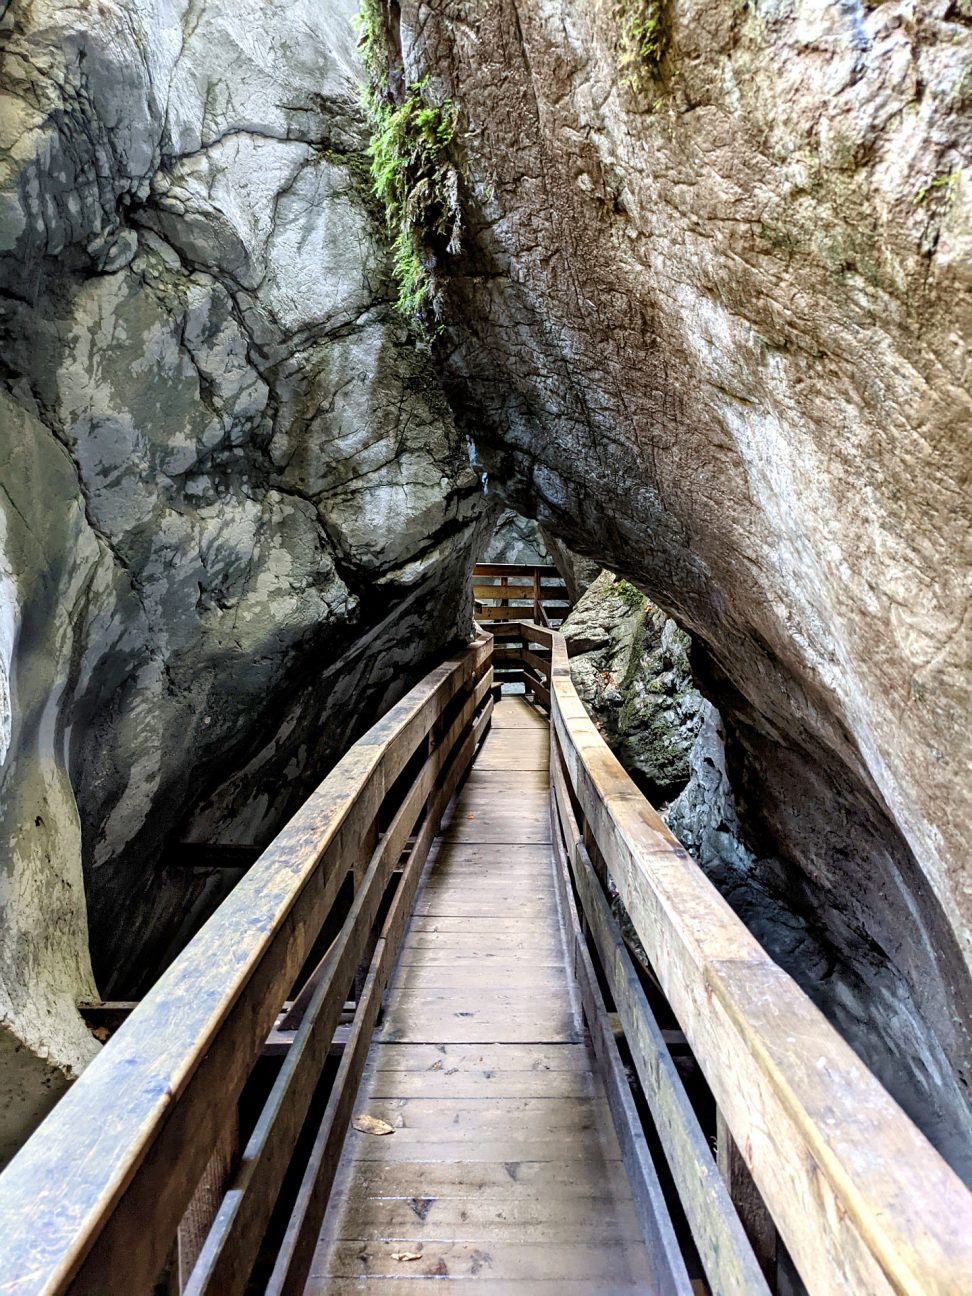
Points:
x=412 y=172
x=373 y=40
x=641 y=38
x=629 y=595
x=943 y=188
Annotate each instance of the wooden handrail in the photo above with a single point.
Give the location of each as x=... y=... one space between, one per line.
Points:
x=93 y=1201
x=861 y=1199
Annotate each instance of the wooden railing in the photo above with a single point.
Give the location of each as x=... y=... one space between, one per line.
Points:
x=810 y=1143
x=512 y=592
x=141 y=1168
x=218 y=1099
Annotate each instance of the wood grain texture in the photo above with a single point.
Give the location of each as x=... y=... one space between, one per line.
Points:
x=503 y=1167
x=722 y=1244
x=94 y=1199
x=649 y=1203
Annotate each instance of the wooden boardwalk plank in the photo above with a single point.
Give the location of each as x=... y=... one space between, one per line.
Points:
x=523 y=1261
x=509 y=1181
x=444 y=1287
x=503 y=1170
x=464 y=1219
x=450 y=1058
x=483 y=1085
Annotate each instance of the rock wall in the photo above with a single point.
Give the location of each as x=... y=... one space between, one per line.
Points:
x=236 y=516
x=631 y=666
x=711 y=329
x=515 y=540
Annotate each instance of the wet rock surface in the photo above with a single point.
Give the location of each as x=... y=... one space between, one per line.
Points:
x=236 y=515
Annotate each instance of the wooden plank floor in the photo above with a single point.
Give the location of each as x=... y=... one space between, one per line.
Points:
x=504 y=1171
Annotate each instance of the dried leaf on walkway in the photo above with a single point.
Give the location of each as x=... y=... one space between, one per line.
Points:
x=366 y=1124
x=406 y=1255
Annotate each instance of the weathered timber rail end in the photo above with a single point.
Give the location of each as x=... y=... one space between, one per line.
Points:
x=203 y=1143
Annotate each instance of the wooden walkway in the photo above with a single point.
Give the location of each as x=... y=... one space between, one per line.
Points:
x=493 y=943
x=504 y=1166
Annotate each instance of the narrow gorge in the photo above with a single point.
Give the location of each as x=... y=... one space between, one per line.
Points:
x=304 y=312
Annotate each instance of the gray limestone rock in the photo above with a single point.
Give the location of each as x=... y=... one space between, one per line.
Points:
x=516 y=540
x=236 y=515
x=631 y=667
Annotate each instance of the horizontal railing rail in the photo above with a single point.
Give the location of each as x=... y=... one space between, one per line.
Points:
x=106 y=1195
x=809 y=1140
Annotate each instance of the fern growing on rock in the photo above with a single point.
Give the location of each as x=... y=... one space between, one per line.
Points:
x=413 y=174
x=641 y=36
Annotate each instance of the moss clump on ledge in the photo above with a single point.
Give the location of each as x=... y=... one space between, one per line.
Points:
x=418 y=186
x=412 y=172
x=631 y=596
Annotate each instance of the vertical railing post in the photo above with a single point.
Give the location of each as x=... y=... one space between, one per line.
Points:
x=201 y=1211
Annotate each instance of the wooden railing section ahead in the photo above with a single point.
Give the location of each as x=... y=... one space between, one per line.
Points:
x=810 y=1143
x=516 y=592
x=105 y=1192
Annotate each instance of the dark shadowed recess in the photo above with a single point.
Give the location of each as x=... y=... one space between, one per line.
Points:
x=145 y=904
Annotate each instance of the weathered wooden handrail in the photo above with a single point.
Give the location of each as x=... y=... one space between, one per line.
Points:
x=862 y=1201
x=93 y=1202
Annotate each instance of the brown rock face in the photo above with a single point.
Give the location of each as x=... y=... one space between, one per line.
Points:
x=710 y=328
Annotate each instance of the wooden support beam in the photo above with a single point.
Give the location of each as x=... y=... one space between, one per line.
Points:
x=487 y=612
x=728 y=1259
x=513 y=569
x=538 y=689
x=756 y=1219
x=198 y=1219
x=496 y=591
x=538 y=663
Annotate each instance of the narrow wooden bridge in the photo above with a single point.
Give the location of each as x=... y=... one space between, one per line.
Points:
x=414 y=1045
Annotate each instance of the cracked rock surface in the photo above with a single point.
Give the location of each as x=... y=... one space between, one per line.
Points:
x=516 y=540
x=236 y=517
x=711 y=328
